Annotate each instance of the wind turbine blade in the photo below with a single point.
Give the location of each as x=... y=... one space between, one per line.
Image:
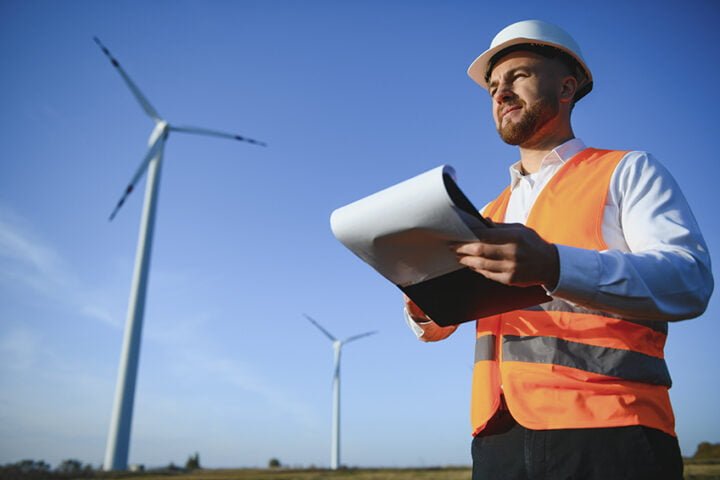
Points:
x=152 y=151
x=216 y=133
x=357 y=337
x=327 y=334
x=144 y=103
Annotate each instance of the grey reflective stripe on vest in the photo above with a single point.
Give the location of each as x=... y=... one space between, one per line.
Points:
x=558 y=305
x=485 y=348
x=625 y=364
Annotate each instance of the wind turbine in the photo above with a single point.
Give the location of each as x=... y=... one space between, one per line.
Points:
x=116 y=453
x=337 y=347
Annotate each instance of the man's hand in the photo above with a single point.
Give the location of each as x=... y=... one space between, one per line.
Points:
x=512 y=254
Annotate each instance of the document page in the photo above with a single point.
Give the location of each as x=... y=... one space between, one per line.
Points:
x=405 y=232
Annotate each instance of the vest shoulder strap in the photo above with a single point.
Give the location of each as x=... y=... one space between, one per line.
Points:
x=570 y=208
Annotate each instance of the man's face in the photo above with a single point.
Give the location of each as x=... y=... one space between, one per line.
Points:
x=525 y=91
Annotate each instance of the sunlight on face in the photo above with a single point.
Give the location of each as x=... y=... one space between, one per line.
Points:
x=524 y=87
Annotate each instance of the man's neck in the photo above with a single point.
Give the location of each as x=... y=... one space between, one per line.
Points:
x=533 y=153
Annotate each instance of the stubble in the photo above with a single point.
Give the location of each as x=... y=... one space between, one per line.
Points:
x=537 y=116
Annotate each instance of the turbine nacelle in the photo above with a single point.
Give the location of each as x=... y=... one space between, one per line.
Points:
x=162 y=129
x=336 y=343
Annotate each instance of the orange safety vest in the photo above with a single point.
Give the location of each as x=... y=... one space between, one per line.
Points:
x=560 y=365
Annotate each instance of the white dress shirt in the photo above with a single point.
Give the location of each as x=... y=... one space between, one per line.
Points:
x=657 y=266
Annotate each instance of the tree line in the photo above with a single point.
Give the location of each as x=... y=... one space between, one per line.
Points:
x=72 y=468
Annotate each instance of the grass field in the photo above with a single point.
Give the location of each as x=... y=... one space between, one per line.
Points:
x=692 y=472
x=700 y=471
x=288 y=474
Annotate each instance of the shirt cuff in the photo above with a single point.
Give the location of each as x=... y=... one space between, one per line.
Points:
x=579 y=274
x=417 y=329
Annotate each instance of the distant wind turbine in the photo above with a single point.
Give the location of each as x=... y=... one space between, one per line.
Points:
x=116 y=453
x=337 y=347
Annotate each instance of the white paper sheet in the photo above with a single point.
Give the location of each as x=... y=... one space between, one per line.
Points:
x=406 y=231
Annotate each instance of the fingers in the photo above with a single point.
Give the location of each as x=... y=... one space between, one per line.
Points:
x=485 y=265
x=496 y=262
x=486 y=250
x=503 y=271
x=511 y=254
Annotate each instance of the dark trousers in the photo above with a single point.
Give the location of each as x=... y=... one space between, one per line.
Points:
x=506 y=450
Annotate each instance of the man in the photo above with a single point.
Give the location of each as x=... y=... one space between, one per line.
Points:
x=576 y=387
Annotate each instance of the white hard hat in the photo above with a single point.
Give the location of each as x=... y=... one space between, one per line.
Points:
x=531 y=32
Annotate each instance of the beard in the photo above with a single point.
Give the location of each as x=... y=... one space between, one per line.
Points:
x=536 y=117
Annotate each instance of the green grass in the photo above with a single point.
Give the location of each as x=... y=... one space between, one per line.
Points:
x=702 y=471
x=693 y=471
x=288 y=474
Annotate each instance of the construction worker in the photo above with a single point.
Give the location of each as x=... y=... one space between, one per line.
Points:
x=576 y=387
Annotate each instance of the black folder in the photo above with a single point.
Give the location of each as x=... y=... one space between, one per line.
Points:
x=465 y=295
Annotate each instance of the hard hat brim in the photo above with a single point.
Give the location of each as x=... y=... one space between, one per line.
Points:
x=479 y=67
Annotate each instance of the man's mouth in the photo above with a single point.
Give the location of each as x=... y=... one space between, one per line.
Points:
x=509 y=109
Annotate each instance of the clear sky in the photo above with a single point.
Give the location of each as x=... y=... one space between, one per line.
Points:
x=351 y=97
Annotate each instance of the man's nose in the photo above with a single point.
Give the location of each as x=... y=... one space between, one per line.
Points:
x=503 y=94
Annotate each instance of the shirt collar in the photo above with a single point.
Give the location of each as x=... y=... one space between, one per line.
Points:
x=560 y=154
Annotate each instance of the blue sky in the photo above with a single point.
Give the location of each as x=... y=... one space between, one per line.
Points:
x=351 y=97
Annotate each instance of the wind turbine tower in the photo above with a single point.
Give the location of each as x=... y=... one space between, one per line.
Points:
x=116 y=453
x=337 y=348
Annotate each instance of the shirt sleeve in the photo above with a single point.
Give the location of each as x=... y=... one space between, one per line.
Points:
x=662 y=269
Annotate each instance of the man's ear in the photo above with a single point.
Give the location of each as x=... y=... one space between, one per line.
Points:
x=568 y=88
